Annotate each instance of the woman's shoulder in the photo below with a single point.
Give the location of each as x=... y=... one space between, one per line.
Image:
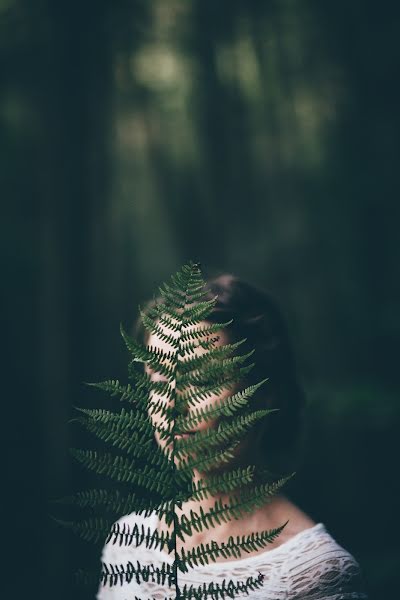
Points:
x=317 y=566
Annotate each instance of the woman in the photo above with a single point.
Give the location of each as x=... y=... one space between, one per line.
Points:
x=304 y=561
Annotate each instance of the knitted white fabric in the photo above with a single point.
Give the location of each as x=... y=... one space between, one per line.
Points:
x=310 y=565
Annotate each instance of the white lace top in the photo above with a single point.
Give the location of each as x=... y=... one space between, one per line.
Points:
x=310 y=565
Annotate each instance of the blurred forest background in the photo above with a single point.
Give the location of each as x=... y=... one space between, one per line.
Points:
x=259 y=137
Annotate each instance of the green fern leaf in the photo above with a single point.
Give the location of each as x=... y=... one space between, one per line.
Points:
x=123 y=470
x=223 y=434
x=211 y=551
x=226 y=407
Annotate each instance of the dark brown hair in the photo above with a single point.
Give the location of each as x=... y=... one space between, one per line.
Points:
x=257 y=318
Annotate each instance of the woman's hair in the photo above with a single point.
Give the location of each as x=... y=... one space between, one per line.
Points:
x=257 y=318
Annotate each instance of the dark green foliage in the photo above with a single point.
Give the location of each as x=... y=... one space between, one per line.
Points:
x=147 y=478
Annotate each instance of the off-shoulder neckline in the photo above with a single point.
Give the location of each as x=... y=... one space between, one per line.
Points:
x=253 y=557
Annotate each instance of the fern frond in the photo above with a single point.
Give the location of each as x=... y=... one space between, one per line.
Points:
x=208 y=460
x=225 y=432
x=207 y=344
x=159 y=361
x=224 y=407
x=219 y=512
x=197 y=313
x=119 y=574
x=170 y=323
x=217 y=591
x=123 y=535
x=190 y=397
x=173 y=298
x=223 y=482
x=214 y=354
x=137 y=350
x=161 y=354
x=124 y=420
x=235 y=508
x=161 y=408
x=216 y=372
x=206 y=331
x=184 y=286
x=155 y=359
x=164 y=313
x=203 y=553
x=155 y=328
x=134 y=443
x=124 y=470
x=125 y=392
x=144 y=385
